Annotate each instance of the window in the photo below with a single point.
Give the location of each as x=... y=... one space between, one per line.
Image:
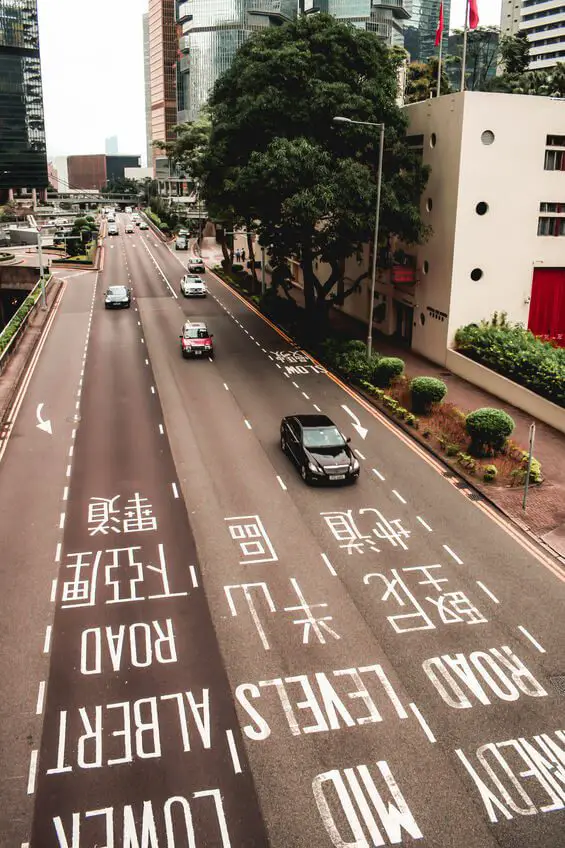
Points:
x=476 y=274
x=481 y=208
x=487 y=137
x=551 y=226
x=552 y=207
x=554 y=160
x=555 y=141
x=416 y=143
x=433 y=140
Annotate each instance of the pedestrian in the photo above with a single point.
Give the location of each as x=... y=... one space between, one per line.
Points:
x=238 y=254
x=243 y=255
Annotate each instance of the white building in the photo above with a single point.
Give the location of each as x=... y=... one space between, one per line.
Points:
x=544 y=22
x=138 y=173
x=510 y=17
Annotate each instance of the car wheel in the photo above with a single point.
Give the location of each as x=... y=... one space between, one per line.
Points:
x=283 y=443
x=304 y=474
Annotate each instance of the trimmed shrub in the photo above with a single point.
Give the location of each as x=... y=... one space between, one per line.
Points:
x=488 y=428
x=467 y=461
x=425 y=391
x=490 y=473
x=386 y=370
x=355 y=364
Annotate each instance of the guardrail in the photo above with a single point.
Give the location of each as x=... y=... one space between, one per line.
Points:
x=8 y=349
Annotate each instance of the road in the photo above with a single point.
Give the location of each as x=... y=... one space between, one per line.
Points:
x=198 y=649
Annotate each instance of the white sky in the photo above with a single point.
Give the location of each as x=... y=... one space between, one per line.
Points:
x=92 y=64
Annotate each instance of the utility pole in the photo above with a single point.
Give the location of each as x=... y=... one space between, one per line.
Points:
x=41 y=279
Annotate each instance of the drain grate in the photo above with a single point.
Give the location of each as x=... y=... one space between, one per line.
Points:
x=558 y=683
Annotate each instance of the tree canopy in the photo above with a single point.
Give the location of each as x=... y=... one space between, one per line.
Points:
x=515 y=53
x=277 y=160
x=421 y=81
x=120 y=185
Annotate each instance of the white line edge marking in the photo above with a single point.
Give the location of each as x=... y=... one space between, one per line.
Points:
x=331 y=569
x=400 y=498
x=40 y=698
x=281 y=483
x=147 y=362
x=61 y=521
x=66 y=493
x=423 y=523
x=162 y=432
x=142 y=340
x=74 y=434
x=278 y=365
x=271 y=358
x=226 y=387
x=247 y=424
x=32 y=772
x=152 y=390
x=487 y=591
x=306 y=396
x=359 y=454
x=193 y=576
x=532 y=640
x=316 y=407
x=295 y=384
x=72 y=447
x=53 y=590
x=68 y=471
x=423 y=723
x=233 y=752
x=175 y=490
x=453 y=554
x=58 y=552
x=47 y=640
x=378 y=474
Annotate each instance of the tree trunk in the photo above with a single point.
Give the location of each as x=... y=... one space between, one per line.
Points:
x=228 y=256
x=315 y=306
x=255 y=281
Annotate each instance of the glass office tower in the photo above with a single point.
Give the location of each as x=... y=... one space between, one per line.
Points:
x=420 y=34
x=383 y=17
x=23 y=153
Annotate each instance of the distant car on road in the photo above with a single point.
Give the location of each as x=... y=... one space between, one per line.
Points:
x=318 y=449
x=143 y=225
x=117 y=297
x=196 y=266
x=192 y=285
x=181 y=243
x=128 y=210
x=195 y=340
x=112 y=229
x=129 y=227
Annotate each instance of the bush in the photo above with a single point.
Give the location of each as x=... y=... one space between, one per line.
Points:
x=490 y=473
x=517 y=354
x=355 y=364
x=386 y=370
x=425 y=391
x=237 y=267
x=488 y=429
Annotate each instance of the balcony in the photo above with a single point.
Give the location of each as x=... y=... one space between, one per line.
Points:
x=184 y=43
x=184 y=12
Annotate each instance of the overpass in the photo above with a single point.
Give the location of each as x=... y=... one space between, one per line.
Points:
x=94 y=199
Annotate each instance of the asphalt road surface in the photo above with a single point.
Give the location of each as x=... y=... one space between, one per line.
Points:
x=199 y=650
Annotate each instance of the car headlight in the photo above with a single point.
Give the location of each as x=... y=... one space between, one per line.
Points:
x=314 y=468
x=355 y=464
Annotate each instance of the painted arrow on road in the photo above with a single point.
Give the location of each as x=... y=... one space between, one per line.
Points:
x=43 y=425
x=356 y=423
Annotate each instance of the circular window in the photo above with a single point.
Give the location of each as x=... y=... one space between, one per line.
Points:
x=487 y=137
x=481 y=208
x=476 y=274
x=429 y=204
x=426 y=266
x=422 y=319
x=433 y=140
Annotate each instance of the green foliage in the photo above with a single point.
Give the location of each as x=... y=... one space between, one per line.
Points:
x=467 y=461
x=490 y=473
x=425 y=391
x=386 y=370
x=120 y=185
x=19 y=317
x=6 y=257
x=421 y=81
x=488 y=428
x=517 y=354
x=481 y=59
x=276 y=158
x=515 y=53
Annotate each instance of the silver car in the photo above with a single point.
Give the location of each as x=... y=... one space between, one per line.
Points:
x=192 y=285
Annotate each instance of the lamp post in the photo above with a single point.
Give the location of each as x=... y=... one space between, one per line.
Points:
x=342 y=120
x=41 y=277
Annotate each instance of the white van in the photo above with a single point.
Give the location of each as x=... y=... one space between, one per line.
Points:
x=128 y=210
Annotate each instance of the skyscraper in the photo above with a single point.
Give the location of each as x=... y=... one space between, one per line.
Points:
x=162 y=74
x=147 y=81
x=383 y=17
x=544 y=24
x=23 y=153
x=420 y=33
x=111 y=146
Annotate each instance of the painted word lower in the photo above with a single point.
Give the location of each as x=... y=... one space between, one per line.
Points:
x=362 y=805
x=115 y=734
x=150 y=826
x=494 y=672
x=143 y=644
x=328 y=709
x=540 y=763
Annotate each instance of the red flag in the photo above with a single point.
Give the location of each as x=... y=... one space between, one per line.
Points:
x=439 y=30
x=473 y=14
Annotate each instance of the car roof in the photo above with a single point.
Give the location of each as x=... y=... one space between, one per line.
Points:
x=117 y=286
x=314 y=420
x=196 y=325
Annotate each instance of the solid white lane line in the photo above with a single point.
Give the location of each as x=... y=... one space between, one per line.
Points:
x=53 y=590
x=152 y=390
x=532 y=640
x=161 y=431
x=359 y=454
x=62 y=521
x=226 y=387
x=233 y=752
x=32 y=772
x=423 y=723
x=378 y=474
x=147 y=362
x=316 y=407
x=175 y=490
x=193 y=576
x=66 y=493
x=73 y=434
x=40 y=698
x=58 y=552
x=281 y=483
x=330 y=567
x=247 y=424
x=68 y=470
x=306 y=396
x=271 y=358
x=142 y=340
x=423 y=523
x=487 y=591
x=47 y=640
x=295 y=384
x=400 y=498
x=454 y=555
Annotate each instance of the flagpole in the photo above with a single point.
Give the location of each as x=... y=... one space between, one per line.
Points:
x=464 y=59
x=439 y=66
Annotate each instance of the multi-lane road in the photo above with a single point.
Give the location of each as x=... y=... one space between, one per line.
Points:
x=199 y=650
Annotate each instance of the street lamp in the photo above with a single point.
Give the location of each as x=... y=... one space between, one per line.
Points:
x=341 y=120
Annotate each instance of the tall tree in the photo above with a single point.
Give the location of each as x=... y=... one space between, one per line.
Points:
x=482 y=56
x=421 y=81
x=515 y=53
x=306 y=184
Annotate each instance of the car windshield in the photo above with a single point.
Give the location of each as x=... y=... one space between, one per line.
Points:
x=117 y=290
x=194 y=333
x=323 y=437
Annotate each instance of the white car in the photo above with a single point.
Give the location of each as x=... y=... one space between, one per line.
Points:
x=193 y=286
x=129 y=227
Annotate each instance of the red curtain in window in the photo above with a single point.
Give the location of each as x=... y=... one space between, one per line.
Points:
x=547 y=307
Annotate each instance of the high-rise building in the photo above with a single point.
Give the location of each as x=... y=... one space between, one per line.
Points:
x=420 y=33
x=383 y=17
x=147 y=81
x=23 y=151
x=162 y=73
x=510 y=17
x=111 y=146
x=94 y=171
x=544 y=23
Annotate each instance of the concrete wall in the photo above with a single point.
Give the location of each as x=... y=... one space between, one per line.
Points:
x=537 y=406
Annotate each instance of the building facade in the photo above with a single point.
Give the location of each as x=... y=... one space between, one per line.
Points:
x=162 y=72
x=420 y=31
x=544 y=23
x=23 y=150
x=94 y=171
x=510 y=17
x=147 y=86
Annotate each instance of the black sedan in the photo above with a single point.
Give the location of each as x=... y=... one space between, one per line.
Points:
x=117 y=297
x=318 y=449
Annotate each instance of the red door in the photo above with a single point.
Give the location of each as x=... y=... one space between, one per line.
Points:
x=547 y=307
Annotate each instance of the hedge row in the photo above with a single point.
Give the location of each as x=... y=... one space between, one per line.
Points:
x=17 y=319
x=517 y=354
